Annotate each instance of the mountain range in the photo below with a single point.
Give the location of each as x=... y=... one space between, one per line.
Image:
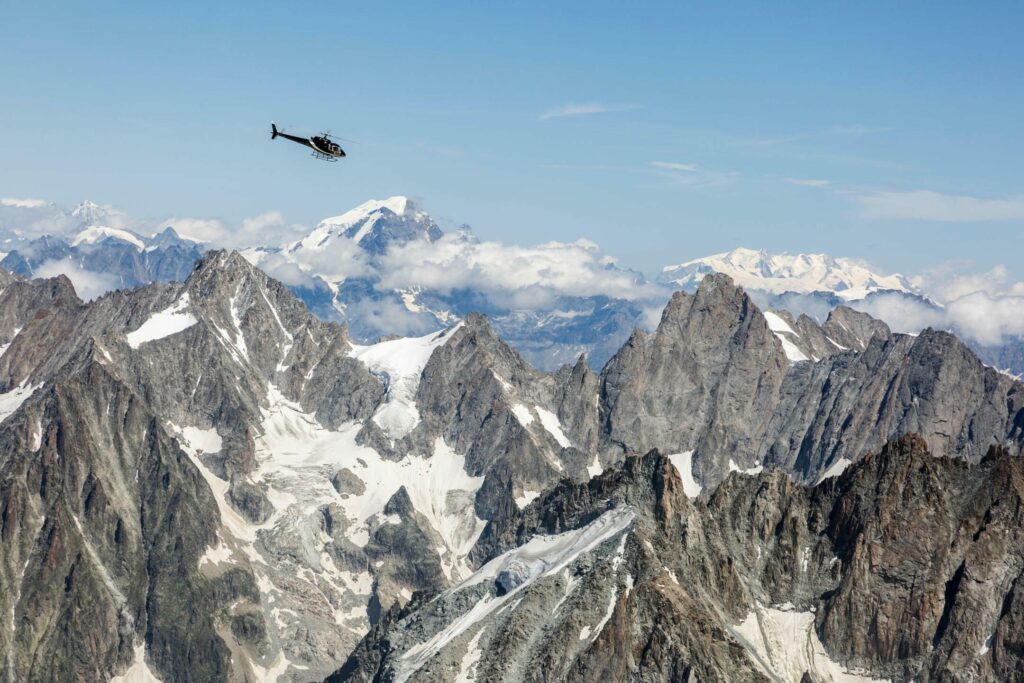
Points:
x=203 y=480
x=386 y=268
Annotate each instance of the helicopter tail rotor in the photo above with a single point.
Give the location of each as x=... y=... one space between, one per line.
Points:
x=273 y=130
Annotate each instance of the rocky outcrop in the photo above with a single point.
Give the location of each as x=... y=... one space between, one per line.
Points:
x=715 y=379
x=896 y=569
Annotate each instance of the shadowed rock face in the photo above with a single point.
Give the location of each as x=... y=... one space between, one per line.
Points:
x=206 y=474
x=904 y=567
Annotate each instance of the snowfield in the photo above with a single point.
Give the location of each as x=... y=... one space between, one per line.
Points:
x=399 y=363
x=173 y=319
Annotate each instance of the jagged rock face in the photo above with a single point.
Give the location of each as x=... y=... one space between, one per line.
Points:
x=715 y=379
x=239 y=482
x=313 y=515
x=707 y=377
x=896 y=569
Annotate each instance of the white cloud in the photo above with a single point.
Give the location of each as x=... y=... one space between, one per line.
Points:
x=692 y=175
x=674 y=166
x=985 y=307
x=585 y=109
x=199 y=229
x=953 y=280
x=511 y=276
x=23 y=203
x=808 y=182
x=986 y=318
x=266 y=228
x=88 y=284
x=925 y=205
x=902 y=313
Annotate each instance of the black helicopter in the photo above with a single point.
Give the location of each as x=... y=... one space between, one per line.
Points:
x=322 y=145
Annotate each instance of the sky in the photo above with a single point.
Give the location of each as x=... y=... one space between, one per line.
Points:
x=888 y=132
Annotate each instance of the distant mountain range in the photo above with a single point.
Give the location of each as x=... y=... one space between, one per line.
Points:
x=386 y=268
x=782 y=273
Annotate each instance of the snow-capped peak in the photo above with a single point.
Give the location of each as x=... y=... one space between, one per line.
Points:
x=373 y=225
x=98 y=233
x=89 y=213
x=778 y=273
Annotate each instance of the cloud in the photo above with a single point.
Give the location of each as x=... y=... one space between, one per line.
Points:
x=831 y=131
x=88 y=284
x=200 y=229
x=511 y=276
x=585 y=109
x=674 y=166
x=23 y=203
x=340 y=259
x=951 y=281
x=986 y=307
x=808 y=182
x=264 y=229
x=925 y=205
x=388 y=316
x=692 y=175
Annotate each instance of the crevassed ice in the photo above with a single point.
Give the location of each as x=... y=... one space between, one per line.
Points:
x=400 y=363
x=173 y=319
x=294 y=450
x=541 y=555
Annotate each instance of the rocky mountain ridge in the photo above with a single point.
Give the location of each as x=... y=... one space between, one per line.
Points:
x=232 y=489
x=625 y=577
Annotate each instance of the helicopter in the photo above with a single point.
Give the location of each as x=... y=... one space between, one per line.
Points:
x=322 y=145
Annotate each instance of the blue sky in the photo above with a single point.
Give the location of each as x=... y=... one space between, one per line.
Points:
x=662 y=131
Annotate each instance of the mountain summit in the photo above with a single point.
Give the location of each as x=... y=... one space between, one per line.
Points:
x=374 y=226
x=779 y=273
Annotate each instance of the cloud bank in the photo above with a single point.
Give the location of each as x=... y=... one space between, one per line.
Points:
x=511 y=276
x=88 y=284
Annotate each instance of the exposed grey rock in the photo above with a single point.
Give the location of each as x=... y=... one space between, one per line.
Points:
x=199 y=467
x=877 y=559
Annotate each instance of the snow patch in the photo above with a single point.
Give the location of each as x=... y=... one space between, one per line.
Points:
x=541 y=556
x=684 y=465
x=12 y=400
x=298 y=456
x=784 y=644
x=467 y=669
x=399 y=363
x=522 y=414
x=99 y=233
x=527 y=498
x=751 y=471
x=217 y=554
x=171 y=320
x=835 y=469
x=139 y=671
x=554 y=427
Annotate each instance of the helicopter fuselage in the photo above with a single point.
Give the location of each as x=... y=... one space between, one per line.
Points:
x=322 y=145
